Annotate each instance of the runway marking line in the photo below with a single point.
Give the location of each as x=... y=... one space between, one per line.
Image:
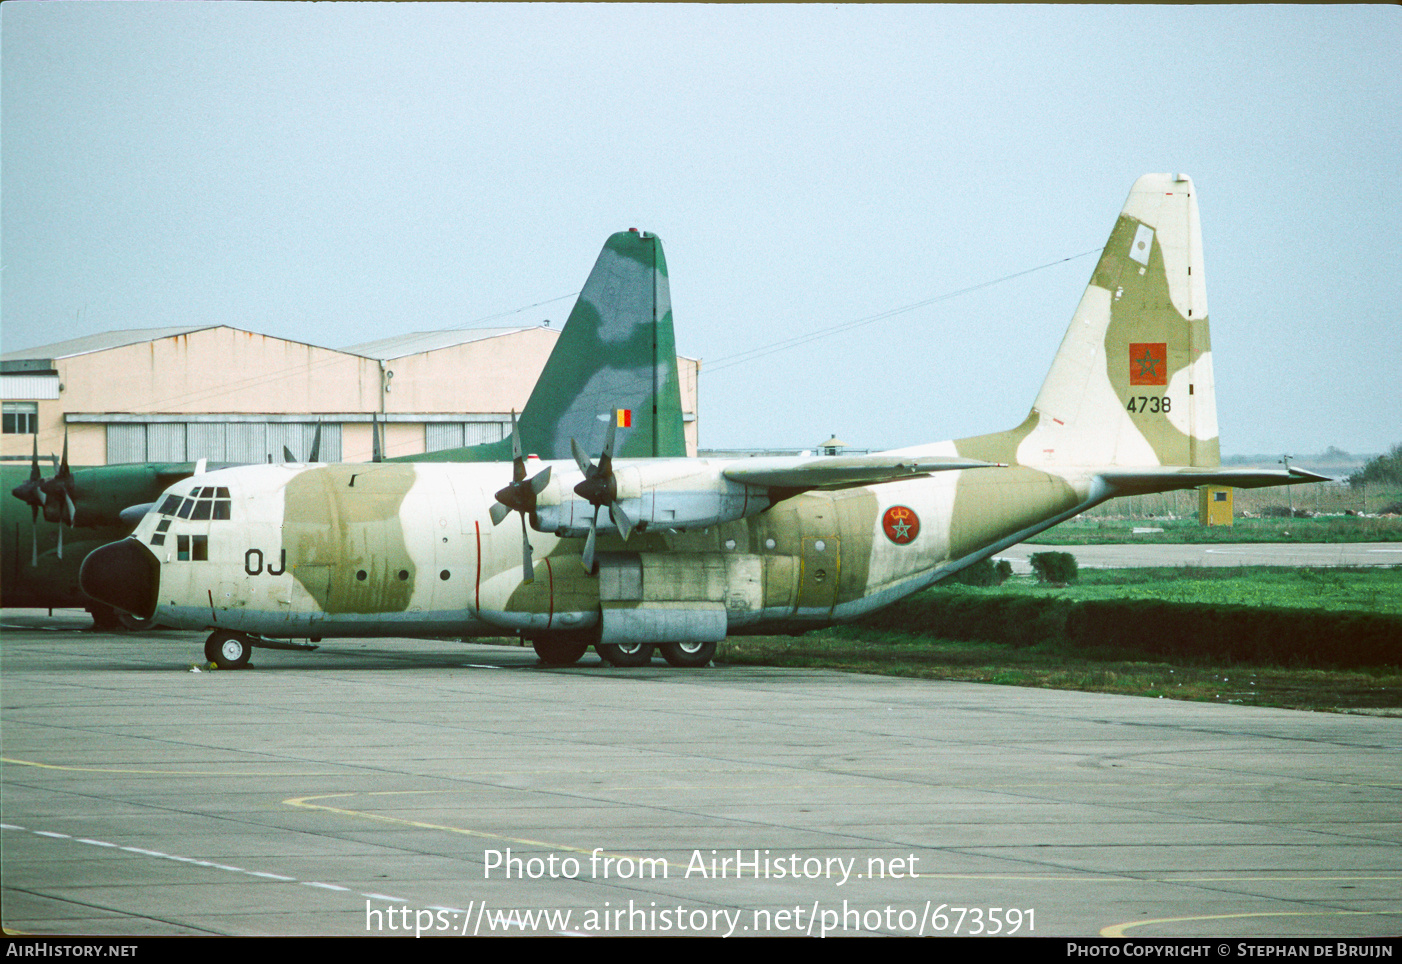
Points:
x=228 y=868
x=167 y=773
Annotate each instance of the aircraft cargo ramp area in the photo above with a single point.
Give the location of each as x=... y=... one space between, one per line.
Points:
x=384 y=786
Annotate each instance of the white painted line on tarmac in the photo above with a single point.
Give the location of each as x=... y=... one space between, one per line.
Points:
x=54 y=835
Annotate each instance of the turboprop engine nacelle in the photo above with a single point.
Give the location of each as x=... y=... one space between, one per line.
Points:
x=666 y=494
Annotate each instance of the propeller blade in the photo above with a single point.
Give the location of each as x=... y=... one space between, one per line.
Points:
x=527 y=566
x=620 y=519
x=34 y=474
x=499 y=513
x=607 y=458
x=376 y=455
x=541 y=480
x=315 y=454
x=587 y=560
x=34 y=531
x=287 y=454
x=581 y=459
x=60 y=541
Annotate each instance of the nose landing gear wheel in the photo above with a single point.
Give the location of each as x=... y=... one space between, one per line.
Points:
x=689 y=655
x=625 y=654
x=228 y=650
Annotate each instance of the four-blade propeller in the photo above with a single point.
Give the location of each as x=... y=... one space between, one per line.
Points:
x=599 y=489
x=54 y=496
x=520 y=496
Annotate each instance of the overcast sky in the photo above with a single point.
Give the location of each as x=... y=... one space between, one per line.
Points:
x=335 y=173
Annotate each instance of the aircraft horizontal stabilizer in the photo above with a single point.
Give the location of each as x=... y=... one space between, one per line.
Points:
x=1165 y=477
x=809 y=472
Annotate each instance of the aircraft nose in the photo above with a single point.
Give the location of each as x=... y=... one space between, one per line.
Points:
x=123 y=574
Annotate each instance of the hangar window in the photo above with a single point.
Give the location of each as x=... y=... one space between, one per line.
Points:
x=21 y=418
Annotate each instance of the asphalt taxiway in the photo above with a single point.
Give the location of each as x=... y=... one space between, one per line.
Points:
x=376 y=787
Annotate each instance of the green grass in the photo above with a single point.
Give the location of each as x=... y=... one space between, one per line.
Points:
x=894 y=654
x=912 y=653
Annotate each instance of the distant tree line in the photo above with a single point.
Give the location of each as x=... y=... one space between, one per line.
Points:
x=1385 y=469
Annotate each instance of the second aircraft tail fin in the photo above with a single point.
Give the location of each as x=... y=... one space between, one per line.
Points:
x=616 y=358
x=1132 y=382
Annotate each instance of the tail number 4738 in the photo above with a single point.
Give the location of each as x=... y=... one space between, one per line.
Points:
x=1148 y=403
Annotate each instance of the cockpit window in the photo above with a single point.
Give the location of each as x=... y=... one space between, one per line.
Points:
x=171 y=503
x=207 y=503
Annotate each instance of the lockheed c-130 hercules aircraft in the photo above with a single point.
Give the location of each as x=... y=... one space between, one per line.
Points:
x=703 y=547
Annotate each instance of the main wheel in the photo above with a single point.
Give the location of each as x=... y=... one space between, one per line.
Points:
x=691 y=655
x=133 y=625
x=558 y=652
x=625 y=654
x=228 y=650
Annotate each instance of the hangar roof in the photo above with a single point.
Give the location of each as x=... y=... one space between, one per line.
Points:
x=99 y=342
x=418 y=342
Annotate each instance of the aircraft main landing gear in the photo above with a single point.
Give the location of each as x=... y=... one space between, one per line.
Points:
x=625 y=654
x=228 y=650
x=688 y=655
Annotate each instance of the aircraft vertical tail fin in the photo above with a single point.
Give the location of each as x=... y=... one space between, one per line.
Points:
x=1132 y=383
x=615 y=359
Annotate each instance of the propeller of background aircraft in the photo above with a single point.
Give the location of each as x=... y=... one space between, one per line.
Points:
x=54 y=496
x=520 y=496
x=31 y=493
x=599 y=489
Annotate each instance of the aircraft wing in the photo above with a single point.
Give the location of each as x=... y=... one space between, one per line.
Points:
x=1159 y=478
x=839 y=471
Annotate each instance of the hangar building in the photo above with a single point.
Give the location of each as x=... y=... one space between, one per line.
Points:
x=229 y=395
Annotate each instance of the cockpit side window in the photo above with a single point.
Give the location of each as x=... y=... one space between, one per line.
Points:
x=204 y=504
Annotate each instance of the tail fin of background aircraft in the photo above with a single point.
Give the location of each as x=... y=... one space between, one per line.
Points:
x=616 y=358
x=1132 y=382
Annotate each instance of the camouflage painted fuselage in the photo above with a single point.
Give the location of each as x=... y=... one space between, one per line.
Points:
x=373 y=550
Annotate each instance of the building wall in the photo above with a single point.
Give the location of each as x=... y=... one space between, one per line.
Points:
x=488 y=375
x=228 y=372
